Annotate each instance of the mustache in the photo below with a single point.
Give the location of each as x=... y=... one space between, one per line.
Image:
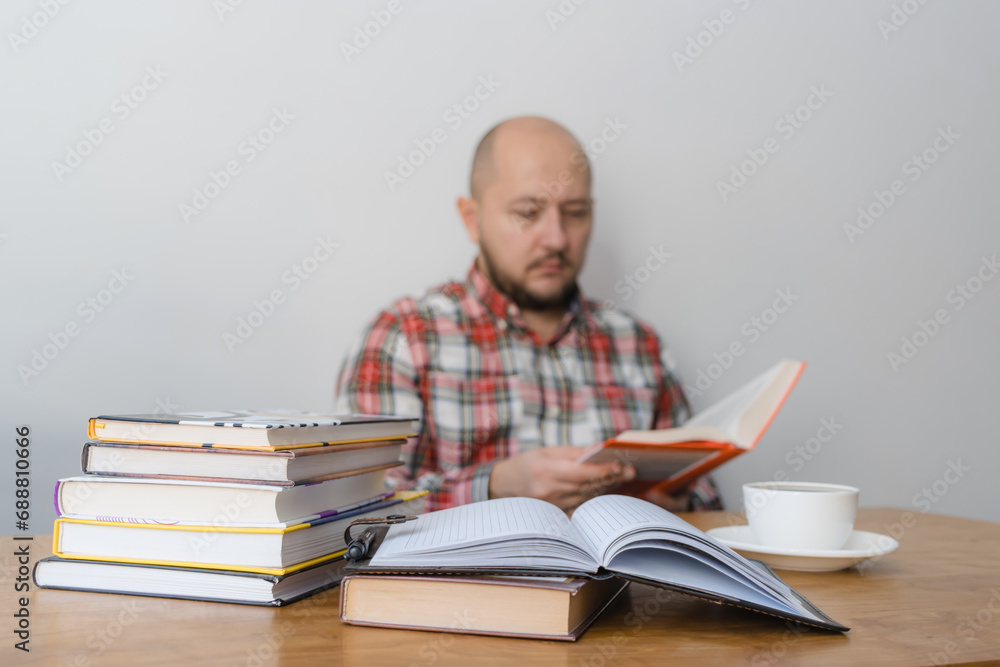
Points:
x=558 y=256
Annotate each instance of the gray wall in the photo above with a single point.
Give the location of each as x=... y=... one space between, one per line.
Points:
x=683 y=126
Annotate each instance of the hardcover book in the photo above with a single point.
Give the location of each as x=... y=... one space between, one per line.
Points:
x=669 y=459
x=286 y=467
x=254 y=430
x=265 y=549
x=187 y=583
x=199 y=501
x=534 y=607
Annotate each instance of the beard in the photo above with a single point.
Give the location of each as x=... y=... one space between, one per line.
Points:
x=520 y=294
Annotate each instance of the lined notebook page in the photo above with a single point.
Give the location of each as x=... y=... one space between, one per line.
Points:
x=513 y=525
x=603 y=519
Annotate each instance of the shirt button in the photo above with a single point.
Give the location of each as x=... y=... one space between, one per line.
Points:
x=502 y=324
x=556 y=412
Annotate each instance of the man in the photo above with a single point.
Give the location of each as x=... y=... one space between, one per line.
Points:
x=513 y=372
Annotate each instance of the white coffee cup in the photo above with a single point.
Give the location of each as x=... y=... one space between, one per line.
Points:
x=800 y=515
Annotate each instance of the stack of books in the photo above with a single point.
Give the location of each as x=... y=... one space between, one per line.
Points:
x=228 y=507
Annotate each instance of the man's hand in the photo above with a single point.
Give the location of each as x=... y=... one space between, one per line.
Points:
x=552 y=474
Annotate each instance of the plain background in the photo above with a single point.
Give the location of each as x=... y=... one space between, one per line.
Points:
x=919 y=434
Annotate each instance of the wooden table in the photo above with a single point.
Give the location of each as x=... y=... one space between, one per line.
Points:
x=934 y=601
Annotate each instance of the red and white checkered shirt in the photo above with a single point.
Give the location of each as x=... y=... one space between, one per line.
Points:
x=486 y=387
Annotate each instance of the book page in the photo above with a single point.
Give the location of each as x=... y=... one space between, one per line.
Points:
x=602 y=521
x=614 y=525
x=726 y=413
x=506 y=532
x=745 y=413
x=694 y=571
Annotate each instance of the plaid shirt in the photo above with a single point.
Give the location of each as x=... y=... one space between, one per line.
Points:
x=486 y=387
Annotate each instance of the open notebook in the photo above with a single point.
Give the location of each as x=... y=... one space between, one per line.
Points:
x=608 y=536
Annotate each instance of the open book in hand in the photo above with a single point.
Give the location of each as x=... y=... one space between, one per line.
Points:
x=608 y=536
x=671 y=458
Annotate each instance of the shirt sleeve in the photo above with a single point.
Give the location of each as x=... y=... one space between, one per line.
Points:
x=378 y=376
x=673 y=410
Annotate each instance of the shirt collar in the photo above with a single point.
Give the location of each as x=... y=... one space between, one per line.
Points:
x=505 y=310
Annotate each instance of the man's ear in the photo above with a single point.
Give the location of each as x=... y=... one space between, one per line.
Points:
x=469 y=210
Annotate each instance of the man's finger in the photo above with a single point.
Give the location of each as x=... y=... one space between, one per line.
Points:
x=582 y=472
x=569 y=452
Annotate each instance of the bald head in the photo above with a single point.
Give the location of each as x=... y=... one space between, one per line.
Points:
x=517 y=134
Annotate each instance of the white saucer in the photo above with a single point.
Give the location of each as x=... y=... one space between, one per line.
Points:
x=860 y=546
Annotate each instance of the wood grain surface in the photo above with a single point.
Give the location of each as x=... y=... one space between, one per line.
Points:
x=934 y=601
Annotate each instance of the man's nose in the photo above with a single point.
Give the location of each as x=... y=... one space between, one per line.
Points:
x=553 y=229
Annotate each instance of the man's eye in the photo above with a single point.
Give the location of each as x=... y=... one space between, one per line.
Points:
x=528 y=214
x=578 y=212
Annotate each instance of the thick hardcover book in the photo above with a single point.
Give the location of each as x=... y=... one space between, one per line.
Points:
x=192 y=501
x=286 y=467
x=249 y=430
x=534 y=607
x=608 y=536
x=187 y=583
x=266 y=549
x=671 y=458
